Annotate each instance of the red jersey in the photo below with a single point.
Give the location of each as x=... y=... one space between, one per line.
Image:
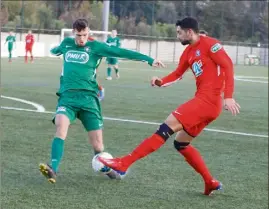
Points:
x=29 y=40
x=211 y=66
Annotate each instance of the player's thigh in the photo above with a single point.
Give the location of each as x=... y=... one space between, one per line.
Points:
x=116 y=66
x=114 y=62
x=90 y=112
x=62 y=119
x=91 y=120
x=108 y=61
x=183 y=136
x=66 y=106
x=173 y=123
x=195 y=114
x=62 y=123
x=29 y=50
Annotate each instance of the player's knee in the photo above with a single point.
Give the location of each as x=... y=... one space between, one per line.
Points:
x=164 y=131
x=180 y=145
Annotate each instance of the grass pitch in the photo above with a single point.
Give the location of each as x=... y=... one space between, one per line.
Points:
x=163 y=180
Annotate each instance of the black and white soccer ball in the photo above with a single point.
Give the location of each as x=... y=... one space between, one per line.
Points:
x=99 y=167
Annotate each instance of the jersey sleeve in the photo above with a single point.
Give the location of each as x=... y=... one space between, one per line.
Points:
x=104 y=50
x=107 y=40
x=57 y=51
x=118 y=43
x=221 y=58
x=177 y=74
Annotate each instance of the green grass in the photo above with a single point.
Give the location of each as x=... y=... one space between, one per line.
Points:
x=163 y=180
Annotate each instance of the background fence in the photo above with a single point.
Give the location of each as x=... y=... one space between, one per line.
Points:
x=166 y=49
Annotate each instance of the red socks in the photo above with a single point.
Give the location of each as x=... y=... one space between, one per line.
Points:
x=146 y=147
x=194 y=158
x=154 y=142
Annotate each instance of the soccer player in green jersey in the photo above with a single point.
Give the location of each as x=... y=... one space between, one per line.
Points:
x=78 y=91
x=10 y=40
x=112 y=62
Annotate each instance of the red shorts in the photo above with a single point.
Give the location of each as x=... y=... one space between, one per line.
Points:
x=196 y=114
x=28 y=49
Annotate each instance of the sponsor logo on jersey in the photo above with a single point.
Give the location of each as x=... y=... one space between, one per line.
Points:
x=77 y=57
x=216 y=47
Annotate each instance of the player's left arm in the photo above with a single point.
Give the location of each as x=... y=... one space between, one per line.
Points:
x=105 y=50
x=222 y=59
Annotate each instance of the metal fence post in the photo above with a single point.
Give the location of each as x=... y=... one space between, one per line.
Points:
x=174 y=51
x=150 y=47
x=236 y=57
x=157 y=41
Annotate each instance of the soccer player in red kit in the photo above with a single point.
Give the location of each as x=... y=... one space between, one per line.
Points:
x=206 y=57
x=29 y=42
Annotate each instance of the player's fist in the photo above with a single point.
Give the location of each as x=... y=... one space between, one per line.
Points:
x=157 y=63
x=231 y=105
x=155 y=81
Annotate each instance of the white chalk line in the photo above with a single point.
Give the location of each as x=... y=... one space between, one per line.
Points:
x=250 y=80
x=147 y=122
x=39 y=108
x=255 y=77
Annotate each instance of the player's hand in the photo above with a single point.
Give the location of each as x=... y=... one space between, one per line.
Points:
x=155 y=81
x=231 y=105
x=157 y=63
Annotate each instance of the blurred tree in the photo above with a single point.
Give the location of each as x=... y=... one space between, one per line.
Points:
x=227 y=20
x=166 y=12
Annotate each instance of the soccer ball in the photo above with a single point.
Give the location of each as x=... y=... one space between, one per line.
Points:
x=100 y=167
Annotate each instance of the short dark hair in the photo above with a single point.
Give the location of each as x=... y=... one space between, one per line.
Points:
x=188 y=23
x=203 y=32
x=80 y=24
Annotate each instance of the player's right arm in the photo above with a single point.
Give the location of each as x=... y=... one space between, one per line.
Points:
x=176 y=75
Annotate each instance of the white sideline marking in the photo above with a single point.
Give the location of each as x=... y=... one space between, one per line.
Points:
x=21 y=109
x=39 y=108
x=249 y=80
x=150 y=123
x=257 y=77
